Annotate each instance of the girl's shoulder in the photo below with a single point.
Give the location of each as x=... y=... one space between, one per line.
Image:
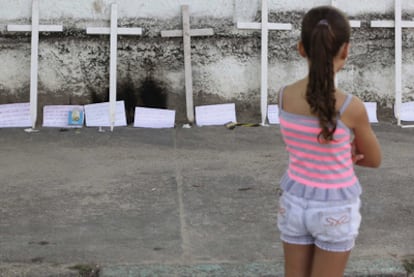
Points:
x=299 y=85
x=292 y=90
x=354 y=111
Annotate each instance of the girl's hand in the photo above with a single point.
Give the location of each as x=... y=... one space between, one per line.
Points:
x=355 y=156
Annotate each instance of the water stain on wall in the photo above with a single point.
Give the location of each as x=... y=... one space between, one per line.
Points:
x=98 y=6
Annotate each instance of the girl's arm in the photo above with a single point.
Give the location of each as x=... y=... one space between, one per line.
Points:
x=365 y=141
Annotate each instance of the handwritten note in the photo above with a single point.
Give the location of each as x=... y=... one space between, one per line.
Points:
x=154 y=118
x=57 y=116
x=15 y=115
x=97 y=115
x=215 y=114
x=372 y=111
x=273 y=114
x=407 y=111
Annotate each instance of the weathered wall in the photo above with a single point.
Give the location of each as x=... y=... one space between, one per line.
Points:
x=73 y=66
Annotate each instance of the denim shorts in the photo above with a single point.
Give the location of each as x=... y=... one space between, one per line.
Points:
x=330 y=225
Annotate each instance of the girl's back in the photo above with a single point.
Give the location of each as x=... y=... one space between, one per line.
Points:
x=317 y=170
x=354 y=116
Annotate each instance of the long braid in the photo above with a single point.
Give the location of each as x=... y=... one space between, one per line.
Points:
x=320 y=92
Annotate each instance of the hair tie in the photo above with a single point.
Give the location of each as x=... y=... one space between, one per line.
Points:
x=323 y=22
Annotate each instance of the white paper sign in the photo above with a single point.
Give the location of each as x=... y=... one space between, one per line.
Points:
x=154 y=118
x=15 y=115
x=273 y=114
x=372 y=111
x=97 y=115
x=215 y=114
x=407 y=111
x=58 y=116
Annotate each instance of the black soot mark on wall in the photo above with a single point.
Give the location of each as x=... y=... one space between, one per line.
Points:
x=150 y=94
x=129 y=94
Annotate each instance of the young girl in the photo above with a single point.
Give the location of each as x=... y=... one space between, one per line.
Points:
x=325 y=131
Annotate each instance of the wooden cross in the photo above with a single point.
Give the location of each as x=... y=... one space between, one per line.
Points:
x=264 y=26
x=34 y=28
x=398 y=24
x=187 y=33
x=113 y=31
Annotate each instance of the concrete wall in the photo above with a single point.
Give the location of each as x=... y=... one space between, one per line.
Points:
x=73 y=66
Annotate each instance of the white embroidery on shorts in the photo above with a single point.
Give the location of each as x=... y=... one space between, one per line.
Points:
x=333 y=222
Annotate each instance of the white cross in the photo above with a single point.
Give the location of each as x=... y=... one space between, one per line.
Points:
x=398 y=24
x=264 y=26
x=35 y=28
x=113 y=31
x=187 y=33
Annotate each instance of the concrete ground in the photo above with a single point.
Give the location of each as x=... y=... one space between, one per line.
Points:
x=178 y=202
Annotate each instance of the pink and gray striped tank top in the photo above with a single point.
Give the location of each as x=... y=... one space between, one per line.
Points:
x=317 y=171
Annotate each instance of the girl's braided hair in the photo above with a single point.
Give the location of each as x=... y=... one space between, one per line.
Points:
x=324 y=31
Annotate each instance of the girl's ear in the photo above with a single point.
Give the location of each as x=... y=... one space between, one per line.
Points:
x=301 y=49
x=345 y=51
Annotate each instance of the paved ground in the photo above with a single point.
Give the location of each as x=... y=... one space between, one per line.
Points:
x=180 y=202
